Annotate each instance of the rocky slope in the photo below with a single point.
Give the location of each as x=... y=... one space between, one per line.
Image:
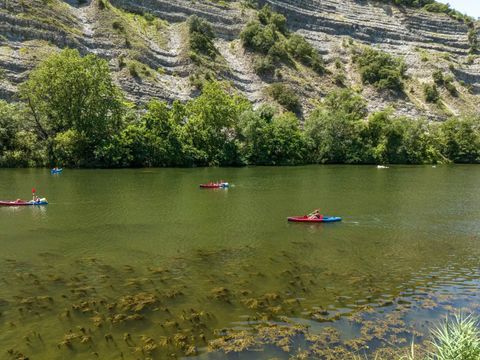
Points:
x=149 y=55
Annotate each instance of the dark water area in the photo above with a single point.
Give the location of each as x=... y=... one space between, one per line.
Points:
x=140 y=264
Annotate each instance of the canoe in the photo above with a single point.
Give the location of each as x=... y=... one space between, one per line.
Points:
x=23 y=203
x=57 y=171
x=305 y=219
x=214 y=186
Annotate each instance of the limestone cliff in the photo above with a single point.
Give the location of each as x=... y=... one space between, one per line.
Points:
x=149 y=55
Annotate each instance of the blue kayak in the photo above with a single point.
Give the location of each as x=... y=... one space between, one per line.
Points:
x=56 y=171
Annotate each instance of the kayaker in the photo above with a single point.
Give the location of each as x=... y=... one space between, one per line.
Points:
x=315 y=215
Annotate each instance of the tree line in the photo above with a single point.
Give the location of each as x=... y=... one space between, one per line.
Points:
x=72 y=114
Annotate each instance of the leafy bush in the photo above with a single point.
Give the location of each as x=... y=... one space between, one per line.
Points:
x=149 y=17
x=438 y=77
x=432 y=6
x=118 y=26
x=332 y=137
x=473 y=39
x=102 y=4
x=264 y=65
x=268 y=17
x=459 y=140
x=431 y=93
x=258 y=37
x=303 y=51
x=201 y=37
x=381 y=69
x=451 y=88
x=348 y=103
x=268 y=35
x=285 y=96
x=440 y=80
x=133 y=70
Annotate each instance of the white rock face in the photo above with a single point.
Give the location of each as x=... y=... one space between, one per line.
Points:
x=426 y=41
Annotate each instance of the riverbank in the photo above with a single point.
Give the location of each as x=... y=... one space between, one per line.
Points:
x=217 y=128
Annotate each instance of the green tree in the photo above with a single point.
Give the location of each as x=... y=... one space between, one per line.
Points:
x=255 y=133
x=287 y=144
x=19 y=145
x=67 y=92
x=333 y=137
x=162 y=134
x=460 y=140
x=398 y=140
x=347 y=102
x=209 y=134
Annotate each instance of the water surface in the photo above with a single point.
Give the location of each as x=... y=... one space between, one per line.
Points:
x=143 y=264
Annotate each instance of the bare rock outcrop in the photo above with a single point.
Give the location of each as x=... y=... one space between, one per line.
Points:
x=117 y=31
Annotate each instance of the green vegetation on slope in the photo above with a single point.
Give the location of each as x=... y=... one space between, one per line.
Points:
x=73 y=115
x=203 y=53
x=380 y=69
x=432 y=6
x=268 y=36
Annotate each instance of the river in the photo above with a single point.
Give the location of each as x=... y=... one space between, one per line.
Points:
x=141 y=263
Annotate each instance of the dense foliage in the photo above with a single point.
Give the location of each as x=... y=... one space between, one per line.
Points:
x=431 y=93
x=75 y=106
x=201 y=37
x=380 y=69
x=268 y=36
x=432 y=6
x=73 y=115
x=285 y=96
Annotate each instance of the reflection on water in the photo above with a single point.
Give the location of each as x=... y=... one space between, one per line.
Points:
x=136 y=264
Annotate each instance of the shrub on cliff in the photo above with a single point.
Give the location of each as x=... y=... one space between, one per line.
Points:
x=258 y=37
x=268 y=35
x=285 y=96
x=431 y=93
x=201 y=37
x=380 y=69
x=303 y=51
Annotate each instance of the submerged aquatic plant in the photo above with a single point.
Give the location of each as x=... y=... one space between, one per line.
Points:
x=458 y=338
x=455 y=339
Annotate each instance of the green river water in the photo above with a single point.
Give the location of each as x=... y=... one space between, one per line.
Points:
x=141 y=263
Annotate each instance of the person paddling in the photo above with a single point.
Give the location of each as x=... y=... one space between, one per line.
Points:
x=315 y=215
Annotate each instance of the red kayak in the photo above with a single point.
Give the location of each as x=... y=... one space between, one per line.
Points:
x=23 y=203
x=214 y=186
x=306 y=219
